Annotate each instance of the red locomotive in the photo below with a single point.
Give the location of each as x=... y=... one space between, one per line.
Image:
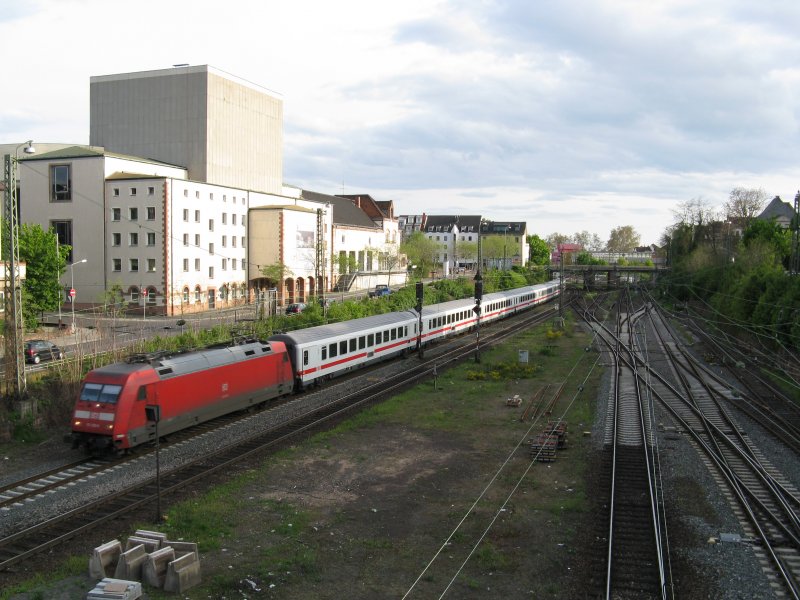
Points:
x=189 y=387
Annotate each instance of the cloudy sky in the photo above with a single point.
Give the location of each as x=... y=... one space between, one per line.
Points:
x=571 y=115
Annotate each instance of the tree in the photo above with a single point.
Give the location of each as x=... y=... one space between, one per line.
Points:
x=276 y=273
x=421 y=251
x=622 y=239
x=589 y=241
x=554 y=239
x=390 y=258
x=539 y=250
x=467 y=252
x=745 y=204
x=44 y=266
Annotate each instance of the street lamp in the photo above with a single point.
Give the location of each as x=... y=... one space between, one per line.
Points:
x=72 y=289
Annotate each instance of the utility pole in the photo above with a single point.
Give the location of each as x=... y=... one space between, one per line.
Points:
x=794 y=265
x=15 y=383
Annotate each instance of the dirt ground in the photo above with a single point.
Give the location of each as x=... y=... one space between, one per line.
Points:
x=386 y=509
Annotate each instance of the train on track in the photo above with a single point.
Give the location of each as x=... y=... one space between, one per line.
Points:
x=196 y=386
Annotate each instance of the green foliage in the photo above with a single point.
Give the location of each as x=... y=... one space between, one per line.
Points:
x=539 y=250
x=585 y=258
x=422 y=252
x=41 y=290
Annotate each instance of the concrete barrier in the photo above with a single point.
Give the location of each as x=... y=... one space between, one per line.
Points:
x=104 y=559
x=154 y=570
x=129 y=565
x=153 y=535
x=182 y=548
x=149 y=544
x=182 y=574
x=115 y=589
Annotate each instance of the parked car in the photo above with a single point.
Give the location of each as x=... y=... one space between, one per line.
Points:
x=38 y=350
x=295 y=309
x=380 y=290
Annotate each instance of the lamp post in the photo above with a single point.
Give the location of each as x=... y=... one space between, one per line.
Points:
x=15 y=363
x=72 y=289
x=505 y=234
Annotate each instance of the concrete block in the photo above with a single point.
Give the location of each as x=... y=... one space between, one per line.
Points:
x=129 y=565
x=154 y=535
x=182 y=574
x=150 y=544
x=115 y=589
x=182 y=548
x=154 y=569
x=104 y=559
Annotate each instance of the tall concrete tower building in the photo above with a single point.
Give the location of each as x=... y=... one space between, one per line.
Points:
x=224 y=130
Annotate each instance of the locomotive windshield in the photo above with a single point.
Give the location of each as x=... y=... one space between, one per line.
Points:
x=98 y=392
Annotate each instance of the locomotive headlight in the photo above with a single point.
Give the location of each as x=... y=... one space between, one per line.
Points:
x=76 y=423
x=110 y=426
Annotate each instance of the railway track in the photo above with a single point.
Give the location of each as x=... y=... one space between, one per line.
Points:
x=275 y=426
x=765 y=502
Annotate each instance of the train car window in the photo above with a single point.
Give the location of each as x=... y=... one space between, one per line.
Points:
x=362 y=341
x=142 y=393
x=305 y=357
x=324 y=352
x=386 y=336
x=343 y=347
x=430 y=323
x=378 y=337
x=353 y=343
x=405 y=330
x=394 y=334
x=332 y=350
x=370 y=340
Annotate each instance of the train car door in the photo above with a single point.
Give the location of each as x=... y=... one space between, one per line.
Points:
x=311 y=362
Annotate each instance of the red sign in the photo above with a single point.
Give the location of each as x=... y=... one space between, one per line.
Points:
x=72 y=292
x=144 y=293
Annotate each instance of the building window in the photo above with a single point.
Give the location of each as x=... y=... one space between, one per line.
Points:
x=233 y=241
x=151 y=238
x=224 y=218
x=196 y=264
x=243 y=238
x=151 y=213
x=151 y=265
x=233 y=219
x=60 y=183
x=151 y=295
x=224 y=264
x=185 y=193
x=211 y=224
x=134 y=294
x=197 y=194
x=243 y=223
x=133 y=213
x=186 y=295
x=233 y=264
x=211 y=249
x=151 y=190
x=115 y=192
x=63 y=231
x=133 y=191
x=186 y=214
x=211 y=272
x=185 y=239
x=198 y=295
x=224 y=198
x=224 y=241
x=211 y=195
x=197 y=216
x=116 y=239
x=116 y=264
x=133 y=239
x=133 y=265
x=197 y=239
x=185 y=265
x=116 y=214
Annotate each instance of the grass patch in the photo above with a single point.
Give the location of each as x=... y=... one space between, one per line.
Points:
x=39 y=585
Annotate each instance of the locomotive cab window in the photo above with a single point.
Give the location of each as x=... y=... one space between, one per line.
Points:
x=98 y=392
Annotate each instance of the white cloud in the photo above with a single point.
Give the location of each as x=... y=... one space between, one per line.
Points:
x=573 y=115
